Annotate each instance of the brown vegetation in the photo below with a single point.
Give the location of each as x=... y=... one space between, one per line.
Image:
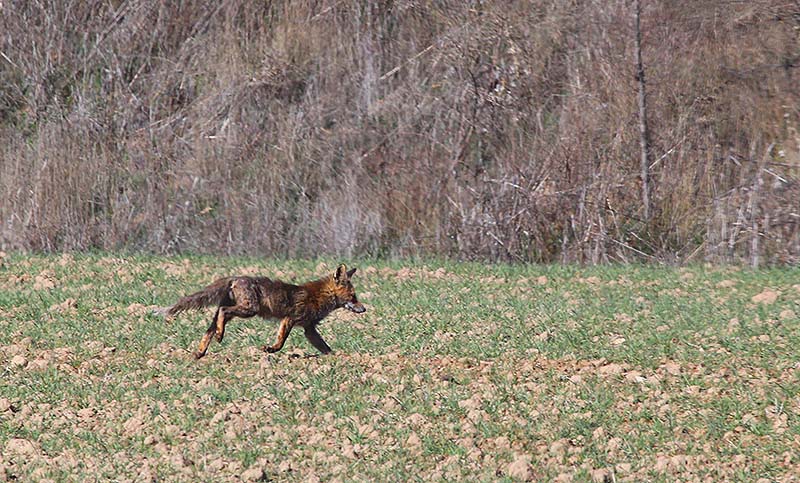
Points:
x=498 y=130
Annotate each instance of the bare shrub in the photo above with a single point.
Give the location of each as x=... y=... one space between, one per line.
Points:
x=478 y=130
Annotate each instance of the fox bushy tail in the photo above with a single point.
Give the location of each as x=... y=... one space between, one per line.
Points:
x=211 y=295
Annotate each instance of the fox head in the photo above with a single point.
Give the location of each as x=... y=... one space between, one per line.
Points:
x=345 y=293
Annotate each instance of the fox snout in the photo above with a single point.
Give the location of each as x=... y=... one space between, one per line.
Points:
x=357 y=307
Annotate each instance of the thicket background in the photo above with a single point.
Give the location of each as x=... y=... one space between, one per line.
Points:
x=478 y=130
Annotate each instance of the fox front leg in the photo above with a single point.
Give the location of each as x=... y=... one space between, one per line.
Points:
x=283 y=332
x=316 y=340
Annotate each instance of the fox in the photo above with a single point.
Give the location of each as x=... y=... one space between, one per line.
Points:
x=295 y=305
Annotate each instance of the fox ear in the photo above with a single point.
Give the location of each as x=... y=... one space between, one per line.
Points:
x=351 y=272
x=341 y=273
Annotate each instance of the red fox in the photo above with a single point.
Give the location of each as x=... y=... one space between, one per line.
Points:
x=302 y=305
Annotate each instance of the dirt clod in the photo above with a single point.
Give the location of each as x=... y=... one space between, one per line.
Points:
x=520 y=468
x=254 y=473
x=766 y=297
x=20 y=447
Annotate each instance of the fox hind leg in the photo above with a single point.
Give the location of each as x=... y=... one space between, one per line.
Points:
x=206 y=340
x=242 y=301
x=227 y=313
x=212 y=332
x=219 y=324
x=217 y=328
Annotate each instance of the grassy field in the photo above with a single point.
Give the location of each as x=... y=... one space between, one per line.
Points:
x=455 y=372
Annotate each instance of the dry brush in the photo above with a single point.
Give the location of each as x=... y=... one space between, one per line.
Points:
x=493 y=130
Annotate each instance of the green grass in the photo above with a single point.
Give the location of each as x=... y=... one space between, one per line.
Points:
x=455 y=371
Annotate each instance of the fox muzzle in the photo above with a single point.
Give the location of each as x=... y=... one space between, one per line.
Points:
x=357 y=307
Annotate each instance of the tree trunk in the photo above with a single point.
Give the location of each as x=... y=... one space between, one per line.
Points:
x=644 y=135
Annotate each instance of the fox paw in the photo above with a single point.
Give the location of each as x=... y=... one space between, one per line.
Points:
x=269 y=349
